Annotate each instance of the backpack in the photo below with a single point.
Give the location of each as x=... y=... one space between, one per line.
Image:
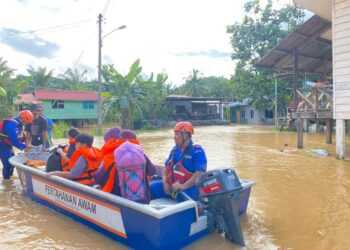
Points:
x=131 y=168
x=54 y=162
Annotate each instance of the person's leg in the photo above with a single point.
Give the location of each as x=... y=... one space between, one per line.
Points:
x=157 y=190
x=7 y=168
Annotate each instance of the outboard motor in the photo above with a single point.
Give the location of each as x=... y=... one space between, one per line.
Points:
x=219 y=192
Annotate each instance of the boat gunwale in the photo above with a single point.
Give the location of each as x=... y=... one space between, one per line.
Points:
x=166 y=210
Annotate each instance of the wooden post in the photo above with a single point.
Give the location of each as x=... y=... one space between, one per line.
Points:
x=300 y=131
x=295 y=79
x=329 y=124
x=340 y=139
x=317 y=125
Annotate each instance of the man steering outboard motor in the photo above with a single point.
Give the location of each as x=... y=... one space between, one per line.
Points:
x=219 y=192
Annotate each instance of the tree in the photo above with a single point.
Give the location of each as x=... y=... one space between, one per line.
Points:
x=153 y=104
x=261 y=29
x=124 y=92
x=39 y=78
x=73 y=79
x=193 y=84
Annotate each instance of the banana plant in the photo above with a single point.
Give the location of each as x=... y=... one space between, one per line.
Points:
x=125 y=92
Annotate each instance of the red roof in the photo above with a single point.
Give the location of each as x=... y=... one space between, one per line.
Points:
x=29 y=98
x=51 y=94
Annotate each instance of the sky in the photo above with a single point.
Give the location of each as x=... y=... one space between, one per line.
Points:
x=167 y=36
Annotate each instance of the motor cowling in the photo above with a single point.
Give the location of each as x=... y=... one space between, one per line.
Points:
x=219 y=192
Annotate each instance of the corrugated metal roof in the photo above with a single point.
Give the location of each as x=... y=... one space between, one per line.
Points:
x=27 y=98
x=49 y=94
x=314 y=51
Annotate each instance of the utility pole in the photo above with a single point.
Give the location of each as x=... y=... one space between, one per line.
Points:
x=99 y=83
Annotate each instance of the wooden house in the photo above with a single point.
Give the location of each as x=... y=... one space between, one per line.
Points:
x=194 y=108
x=76 y=107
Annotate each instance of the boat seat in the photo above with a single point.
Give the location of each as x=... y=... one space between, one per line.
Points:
x=162 y=203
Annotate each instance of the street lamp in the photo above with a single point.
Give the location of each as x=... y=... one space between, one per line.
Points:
x=99 y=82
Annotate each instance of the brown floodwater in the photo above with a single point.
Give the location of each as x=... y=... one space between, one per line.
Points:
x=301 y=201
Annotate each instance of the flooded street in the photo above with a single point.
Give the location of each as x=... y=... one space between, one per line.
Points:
x=301 y=201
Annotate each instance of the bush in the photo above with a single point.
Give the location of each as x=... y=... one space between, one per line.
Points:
x=60 y=130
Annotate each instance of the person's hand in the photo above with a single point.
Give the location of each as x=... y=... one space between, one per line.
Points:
x=48 y=175
x=166 y=188
x=177 y=186
x=27 y=148
x=43 y=149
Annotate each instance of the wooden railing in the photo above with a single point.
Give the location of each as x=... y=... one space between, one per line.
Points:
x=318 y=99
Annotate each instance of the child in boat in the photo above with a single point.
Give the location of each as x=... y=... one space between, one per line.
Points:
x=68 y=151
x=83 y=163
x=112 y=141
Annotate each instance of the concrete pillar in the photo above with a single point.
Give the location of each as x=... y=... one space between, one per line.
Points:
x=306 y=125
x=341 y=139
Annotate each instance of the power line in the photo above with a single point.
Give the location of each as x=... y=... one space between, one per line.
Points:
x=106 y=7
x=49 y=29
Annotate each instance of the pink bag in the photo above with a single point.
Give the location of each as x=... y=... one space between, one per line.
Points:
x=131 y=167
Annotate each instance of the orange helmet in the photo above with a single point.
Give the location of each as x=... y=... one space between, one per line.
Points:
x=26 y=116
x=184 y=127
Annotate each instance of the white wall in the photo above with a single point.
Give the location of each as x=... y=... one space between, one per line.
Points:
x=341 y=58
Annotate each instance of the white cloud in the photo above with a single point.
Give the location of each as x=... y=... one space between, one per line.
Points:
x=159 y=32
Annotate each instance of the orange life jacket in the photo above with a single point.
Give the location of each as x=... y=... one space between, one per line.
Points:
x=93 y=156
x=109 y=166
x=176 y=171
x=65 y=164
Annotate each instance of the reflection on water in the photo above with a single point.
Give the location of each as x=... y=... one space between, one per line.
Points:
x=300 y=201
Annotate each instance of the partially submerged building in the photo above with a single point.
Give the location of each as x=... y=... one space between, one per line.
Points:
x=194 y=108
x=243 y=113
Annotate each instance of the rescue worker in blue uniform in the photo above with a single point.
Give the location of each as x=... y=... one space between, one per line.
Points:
x=11 y=136
x=185 y=164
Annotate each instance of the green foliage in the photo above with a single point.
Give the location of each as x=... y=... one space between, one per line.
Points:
x=60 y=130
x=124 y=92
x=39 y=78
x=261 y=29
x=212 y=86
x=3 y=92
x=11 y=86
x=73 y=79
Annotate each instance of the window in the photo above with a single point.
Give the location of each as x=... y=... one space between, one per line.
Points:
x=268 y=113
x=243 y=114
x=57 y=104
x=88 y=105
x=251 y=114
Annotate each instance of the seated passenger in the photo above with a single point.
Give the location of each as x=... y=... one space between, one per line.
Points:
x=105 y=171
x=83 y=163
x=185 y=164
x=109 y=181
x=68 y=151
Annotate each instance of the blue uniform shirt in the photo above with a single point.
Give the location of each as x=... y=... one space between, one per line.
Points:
x=13 y=130
x=195 y=160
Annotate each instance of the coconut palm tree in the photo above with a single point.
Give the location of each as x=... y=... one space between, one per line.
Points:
x=74 y=79
x=39 y=78
x=193 y=84
x=125 y=92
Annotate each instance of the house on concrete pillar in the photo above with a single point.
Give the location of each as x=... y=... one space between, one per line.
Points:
x=337 y=12
x=75 y=107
